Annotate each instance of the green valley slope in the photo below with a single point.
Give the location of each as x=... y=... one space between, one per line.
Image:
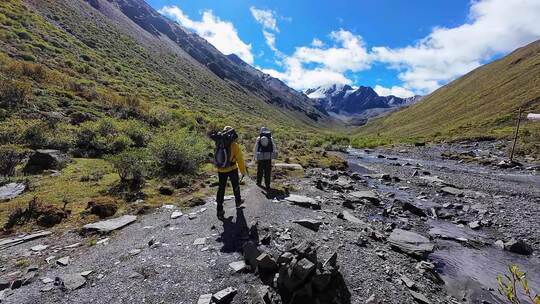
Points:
x=481 y=103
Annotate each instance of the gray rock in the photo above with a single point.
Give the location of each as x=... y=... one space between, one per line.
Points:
x=71 y=281
x=285 y=258
x=134 y=251
x=11 y=190
x=47 y=287
x=63 y=261
x=303 y=268
x=452 y=191
x=176 y=214
x=6 y=243
x=86 y=273
x=418 y=297
x=199 y=241
x=369 y=196
x=42 y=160
x=4 y=284
x=303 y=201
x=475 y=225
x=38 y=248
x=266 y=263
x=110 y=225
x=289 y=166
x=239 y=266
x=408 y=282
x=413 y=209
x=205 y=299
x=410 y=243
x=499 y=244
x=309 y=223
x=518 y=246
x=372 y=299
x=259 y=294
x=46 y=280
x=225 y=295
x=346 y=215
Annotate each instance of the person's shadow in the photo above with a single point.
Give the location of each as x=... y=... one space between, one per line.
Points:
x=236 y=233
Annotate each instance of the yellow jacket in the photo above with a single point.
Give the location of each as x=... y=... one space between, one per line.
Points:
x=237 y=158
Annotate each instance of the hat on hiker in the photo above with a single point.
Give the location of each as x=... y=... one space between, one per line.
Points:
x=264 y=130
x=227 y=128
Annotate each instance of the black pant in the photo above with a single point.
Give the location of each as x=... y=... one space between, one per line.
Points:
x=264 y=168
x=235 y=181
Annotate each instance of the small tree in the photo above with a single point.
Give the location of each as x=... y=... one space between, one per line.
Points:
x=10 y=157
x=131 y=166
x=178 y=152
x=13 y=94
x=509 y=286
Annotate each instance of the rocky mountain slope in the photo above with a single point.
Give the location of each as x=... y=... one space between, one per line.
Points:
x=344 y=99
x=482 y=103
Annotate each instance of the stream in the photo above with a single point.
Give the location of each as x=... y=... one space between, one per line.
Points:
x=469 y=272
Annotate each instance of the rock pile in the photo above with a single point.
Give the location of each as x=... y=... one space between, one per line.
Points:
x=297 y=275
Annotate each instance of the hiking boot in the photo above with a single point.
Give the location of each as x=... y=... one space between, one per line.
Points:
x=221 y=214
x=240 y=203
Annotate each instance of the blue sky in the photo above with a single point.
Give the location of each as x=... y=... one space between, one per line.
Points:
x=398 y=47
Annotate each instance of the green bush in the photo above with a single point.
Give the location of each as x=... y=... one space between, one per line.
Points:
x=13 y=94
x=131 y=165
x=178 y=151
x=515 y=285
x=10 y=157
x=104 y=136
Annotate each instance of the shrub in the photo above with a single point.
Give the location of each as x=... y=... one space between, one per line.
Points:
x=131 y=165
x=124 y=107
x=10 y=157
x=13 y=94
x=137 y=132
x=178 y=151
x=104 y=136
x=510 y=283
x=45 y=215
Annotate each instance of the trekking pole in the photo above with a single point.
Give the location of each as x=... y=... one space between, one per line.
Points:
x=515 y=136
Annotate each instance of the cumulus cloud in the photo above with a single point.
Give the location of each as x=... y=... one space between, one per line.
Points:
x=494 y=27
x=221 y=34
x=316 y=65
x=394 y=90
x=265 y=17
x=317 y=43
x=270 y=39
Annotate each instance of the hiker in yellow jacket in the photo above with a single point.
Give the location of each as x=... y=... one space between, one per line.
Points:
x=228 y=169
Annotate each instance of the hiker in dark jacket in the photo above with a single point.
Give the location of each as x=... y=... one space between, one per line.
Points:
x=265 y=150
x=229 y=159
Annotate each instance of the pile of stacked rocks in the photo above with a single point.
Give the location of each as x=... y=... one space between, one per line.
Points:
x=298 y=276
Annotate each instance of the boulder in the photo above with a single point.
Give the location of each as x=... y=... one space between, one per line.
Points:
x=166 y=190
x=102 y=206
x=303 y=268
x=50 y=216
x=309 y=223
x=108 y=226
x=42 y=160
x=259 y=294
x=518 y=246
x=414 y=209
x=410 y=243
x=224 y=296
x=239 y=266
x=418 y=297
x=251 y=253
x=63 y=261
x=11 y=190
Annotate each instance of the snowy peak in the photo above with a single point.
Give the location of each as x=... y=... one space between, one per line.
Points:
x=344 y=99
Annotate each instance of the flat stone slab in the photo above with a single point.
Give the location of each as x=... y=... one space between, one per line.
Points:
x=11 y=190
x=289 y=166
x=239 y=266
x=110 y=225
x=176 y=214
x=72 y=281
x=303 y=201
x=205 y=299
x=225 y=295
x=6 y=243
x=309 y=223
x=452 y=191
x=38 y=248
x=346 y=215
x=365 y=195
x=410 y=243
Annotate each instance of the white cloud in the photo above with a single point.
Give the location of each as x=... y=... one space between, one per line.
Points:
x=221 y=34
x=317 y=43
x=270 y=39
x=394 y=90
x=494 y=27
x=309 y=67
x=265 y=17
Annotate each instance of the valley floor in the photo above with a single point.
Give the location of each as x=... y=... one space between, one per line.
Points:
x=462 y=208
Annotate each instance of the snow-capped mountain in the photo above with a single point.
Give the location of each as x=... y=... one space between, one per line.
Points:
x=346 y=100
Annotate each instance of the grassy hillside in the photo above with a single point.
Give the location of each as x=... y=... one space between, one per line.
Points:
x=482 y=103
x=106 y=91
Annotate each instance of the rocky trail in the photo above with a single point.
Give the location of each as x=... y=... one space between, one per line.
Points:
x=417 y=224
